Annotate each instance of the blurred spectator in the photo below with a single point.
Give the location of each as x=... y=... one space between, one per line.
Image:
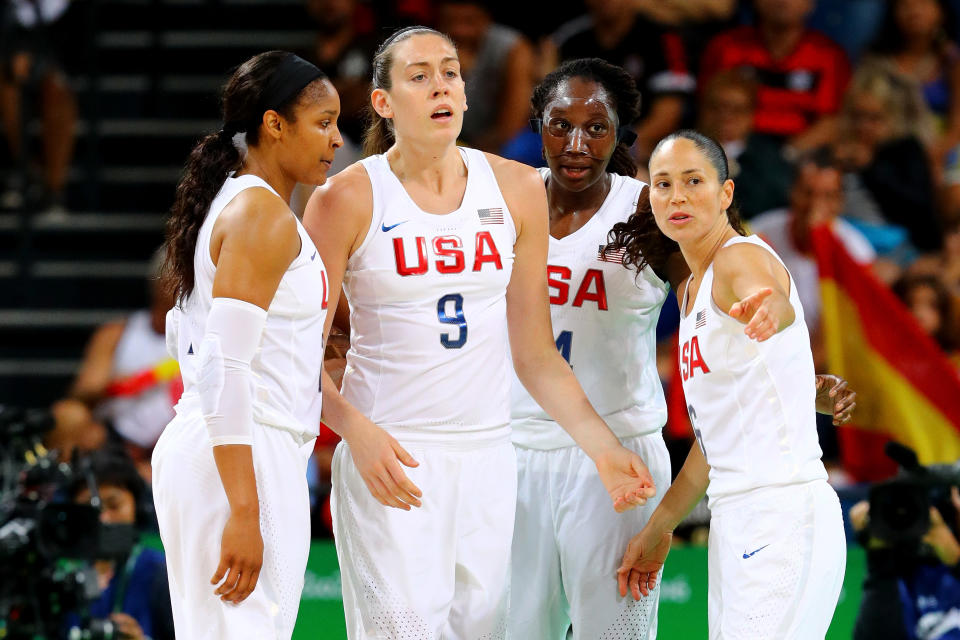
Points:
x=801 y=74
x=343 y=49
x=933 y=307
x=945 y=264
x=853 y=24
x=888 y=181
x=816 y=198
x=654 y=56
x=128 y=379
x=498 y=66
x=757 y=165
x=31 y=63
x=134 y=593
x=918 y=39
x=676 y=13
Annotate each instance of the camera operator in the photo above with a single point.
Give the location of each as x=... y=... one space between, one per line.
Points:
x=135 y=595
x=912 y=590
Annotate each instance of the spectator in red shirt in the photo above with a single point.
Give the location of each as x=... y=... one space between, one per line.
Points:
x=801 y=74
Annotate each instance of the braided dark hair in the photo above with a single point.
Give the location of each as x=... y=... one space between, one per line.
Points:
x=216 y=155
x=640 y=236
x=616 y=82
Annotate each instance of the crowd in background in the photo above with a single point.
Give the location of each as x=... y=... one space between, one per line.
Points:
x=838 y=112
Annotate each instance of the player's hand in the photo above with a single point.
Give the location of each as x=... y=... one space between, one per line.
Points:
x=378 y=456
x=756 y=312
x=646 y=552
x=626 y=477
x=834 y=398
x=241 y=556
x=127 y=626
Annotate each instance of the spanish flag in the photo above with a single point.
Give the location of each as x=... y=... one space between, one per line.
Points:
x=907 y=389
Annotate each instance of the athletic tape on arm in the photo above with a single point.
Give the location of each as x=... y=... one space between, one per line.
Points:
x=225 y=380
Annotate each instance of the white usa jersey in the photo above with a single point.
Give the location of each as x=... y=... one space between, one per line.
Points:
x=604 y=322
x=429 y=353
x=751 y=403
x=288 y=363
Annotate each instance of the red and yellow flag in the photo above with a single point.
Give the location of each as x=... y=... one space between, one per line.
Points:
x=907 y=389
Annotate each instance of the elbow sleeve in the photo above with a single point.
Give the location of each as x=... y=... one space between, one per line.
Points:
x=225 y=380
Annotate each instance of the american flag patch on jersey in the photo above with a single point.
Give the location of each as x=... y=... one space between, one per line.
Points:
x=490 y=216
x=701 y=319
x=611 y=256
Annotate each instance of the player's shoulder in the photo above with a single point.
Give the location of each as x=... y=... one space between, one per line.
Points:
x=742 y=256
x=513 y=176
x=349 y=191
x=261 y=213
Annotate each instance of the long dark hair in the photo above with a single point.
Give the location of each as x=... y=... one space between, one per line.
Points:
x=640 y=237
x=378 y=136
x=242 y=106
x=616 y=82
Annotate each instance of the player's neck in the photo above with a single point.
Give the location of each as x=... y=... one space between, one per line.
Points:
x=699 y=252
x=434 y=167
x=563 y=201
x=263 y=165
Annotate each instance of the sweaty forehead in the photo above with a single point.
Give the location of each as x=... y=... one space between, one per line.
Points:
x=592 y=107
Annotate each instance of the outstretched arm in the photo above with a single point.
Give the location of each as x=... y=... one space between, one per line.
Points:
x=538 y=364
x=754 y=286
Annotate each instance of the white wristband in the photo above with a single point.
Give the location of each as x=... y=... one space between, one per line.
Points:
x=225 y=382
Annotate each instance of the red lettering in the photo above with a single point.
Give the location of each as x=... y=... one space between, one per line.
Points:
x=402 y=268
x=323 y=279
x=599 y=295
x=684 y=361
x=453 y=251
x=563 y=289
x=690 y=359
x=484 y=239
x=696 y=360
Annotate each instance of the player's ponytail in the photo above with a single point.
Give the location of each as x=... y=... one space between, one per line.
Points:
x=378 y=136
x=273 y=80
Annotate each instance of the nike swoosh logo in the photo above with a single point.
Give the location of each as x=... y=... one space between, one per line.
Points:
x=386 y=228
x=748 y=555
x=313 y=257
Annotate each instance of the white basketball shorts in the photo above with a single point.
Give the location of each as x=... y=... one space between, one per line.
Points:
x=568 y=543
x=776 y=563
x=192 y=510
x=438 y=571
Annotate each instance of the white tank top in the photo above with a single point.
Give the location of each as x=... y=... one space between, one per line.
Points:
x=287 y=366
x=751 y=403
x=140 y=418
x=604 y=322
x=429 y=354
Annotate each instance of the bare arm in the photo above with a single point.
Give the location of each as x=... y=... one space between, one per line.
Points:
x=647 y=551
x=96 y=370
x=337 y=218
x=253 y=242
x=538 y=364
x=754 y=286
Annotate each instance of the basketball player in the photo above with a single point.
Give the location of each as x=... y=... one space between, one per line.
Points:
x=777 y=550
x=229 y=471
x=565 y=543
x=442 y=254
